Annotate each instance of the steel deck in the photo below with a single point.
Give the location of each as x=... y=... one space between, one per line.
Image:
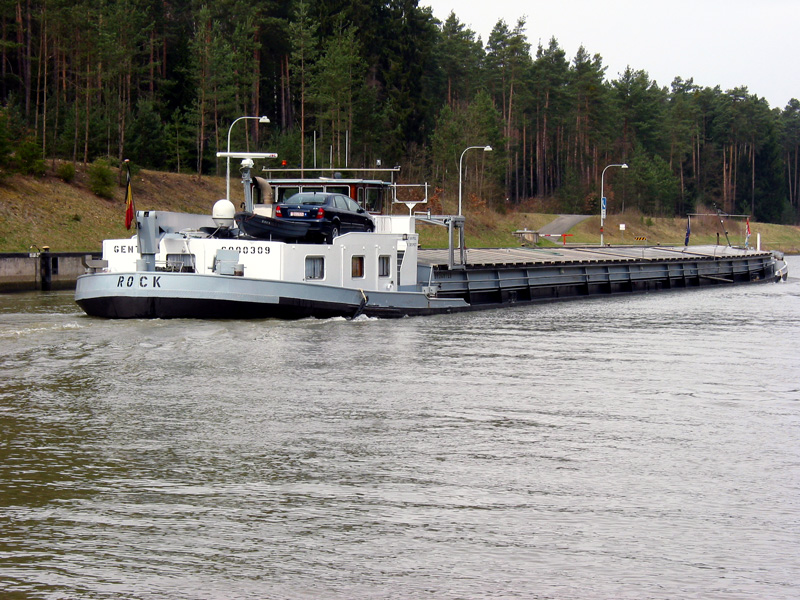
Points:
x=489 y=257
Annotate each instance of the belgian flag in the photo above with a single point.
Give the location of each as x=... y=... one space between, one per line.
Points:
x=130 y=211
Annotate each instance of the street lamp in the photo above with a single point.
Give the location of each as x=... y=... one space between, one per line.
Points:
x=603 y=198
x=228 y=159
x=460 y=161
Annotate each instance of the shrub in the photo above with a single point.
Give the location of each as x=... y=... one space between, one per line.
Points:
x=29 y=159
x=66 y=172
x=101 y=179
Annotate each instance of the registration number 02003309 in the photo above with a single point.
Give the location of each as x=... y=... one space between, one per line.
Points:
x=295 y=213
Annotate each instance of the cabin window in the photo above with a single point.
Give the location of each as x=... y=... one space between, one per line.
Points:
x=284 y=193
x=384 y=266
x=313 y=188
x=338 y=189
x=400 y=255
x=357 y=267
x=315 y=267
x=373 y=201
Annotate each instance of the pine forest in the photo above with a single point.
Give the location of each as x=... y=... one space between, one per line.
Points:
x=359 y=83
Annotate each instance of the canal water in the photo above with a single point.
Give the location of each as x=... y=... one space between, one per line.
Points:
x=631 y=447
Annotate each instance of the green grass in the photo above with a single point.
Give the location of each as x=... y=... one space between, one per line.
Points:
x=495 y=231
x=68 y=217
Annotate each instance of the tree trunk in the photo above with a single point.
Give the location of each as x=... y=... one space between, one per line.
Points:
x=86 y=115
x=77 y=121
x=256 y=97
x=543 y=157
x=28 y=57
x=38 y=84
x=44 y=77
x=216 y=126
x=124 y=109
x=164 y=56
x=152 y=82
x=734 y=176
x=524 y=160
x=284 y=91
x=449 y=91
x=56 y=87
x=302 y=117
x=20 y=41
x=796 y=177
x=508 y=135
x=4 y=58
x=753 y=178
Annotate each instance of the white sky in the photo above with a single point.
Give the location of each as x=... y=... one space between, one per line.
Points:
x=729 y=43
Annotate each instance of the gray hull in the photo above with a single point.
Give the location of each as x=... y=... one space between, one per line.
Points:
x=523 y=275
x=142 y=295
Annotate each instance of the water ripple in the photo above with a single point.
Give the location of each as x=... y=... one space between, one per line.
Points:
x=639 y=447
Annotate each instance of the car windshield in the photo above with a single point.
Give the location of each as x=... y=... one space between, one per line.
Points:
x=306 y=198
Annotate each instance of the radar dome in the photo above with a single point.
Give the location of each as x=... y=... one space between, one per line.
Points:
x=223 y=213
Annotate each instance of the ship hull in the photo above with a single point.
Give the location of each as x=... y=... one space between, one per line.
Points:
x=165 y=295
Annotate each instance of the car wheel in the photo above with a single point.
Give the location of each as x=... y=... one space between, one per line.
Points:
x=334 y=233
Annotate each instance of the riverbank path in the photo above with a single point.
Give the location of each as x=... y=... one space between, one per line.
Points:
x=562 y=224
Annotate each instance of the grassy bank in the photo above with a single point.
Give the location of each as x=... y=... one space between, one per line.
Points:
x=70 y=218
x=497 y=231
x=36 y=212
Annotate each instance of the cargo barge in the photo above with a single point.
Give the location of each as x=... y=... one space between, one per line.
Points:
x=202 y=266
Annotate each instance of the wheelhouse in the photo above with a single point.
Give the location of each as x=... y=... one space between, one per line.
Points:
x=371 y=194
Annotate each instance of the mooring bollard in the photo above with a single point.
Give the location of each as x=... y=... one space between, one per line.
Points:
x=46 y=268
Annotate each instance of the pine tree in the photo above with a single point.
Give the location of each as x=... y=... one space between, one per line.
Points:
x=304 y=52
x=338 y=77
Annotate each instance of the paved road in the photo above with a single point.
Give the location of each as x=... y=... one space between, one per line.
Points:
x=563 y=224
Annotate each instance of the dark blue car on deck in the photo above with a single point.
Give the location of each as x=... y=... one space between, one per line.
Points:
x=328 y=215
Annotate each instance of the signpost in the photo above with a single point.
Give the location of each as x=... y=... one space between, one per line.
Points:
x=603 y=197
x=602 y=217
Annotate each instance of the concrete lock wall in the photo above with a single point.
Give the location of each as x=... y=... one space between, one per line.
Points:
x=41 y=270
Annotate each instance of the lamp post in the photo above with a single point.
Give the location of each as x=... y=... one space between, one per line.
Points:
x=460 y=162
x=228 y=159
x=603 y=198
